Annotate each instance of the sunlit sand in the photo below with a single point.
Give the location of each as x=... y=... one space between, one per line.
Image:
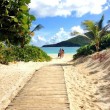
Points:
x=87 y=80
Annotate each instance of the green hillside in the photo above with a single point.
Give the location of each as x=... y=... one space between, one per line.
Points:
x=73 y=42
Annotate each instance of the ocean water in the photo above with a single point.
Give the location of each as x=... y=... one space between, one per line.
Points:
x=55 y=50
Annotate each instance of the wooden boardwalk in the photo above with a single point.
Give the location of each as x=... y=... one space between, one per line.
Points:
x=45 y=91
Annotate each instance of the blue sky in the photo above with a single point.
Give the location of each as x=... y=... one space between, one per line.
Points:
x=60 y=17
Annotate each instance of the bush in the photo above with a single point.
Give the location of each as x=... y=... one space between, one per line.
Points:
x=28 y=53
x=1 y=45
x=85 y=50
x=90 y=48
x=105 y=42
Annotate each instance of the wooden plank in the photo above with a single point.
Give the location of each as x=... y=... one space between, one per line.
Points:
x=45 y=91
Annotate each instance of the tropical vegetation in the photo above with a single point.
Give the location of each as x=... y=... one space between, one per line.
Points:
x=15 y=22
x=99 y=36
x=28 y=53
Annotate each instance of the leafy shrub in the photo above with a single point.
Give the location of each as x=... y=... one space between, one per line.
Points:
x=90 y=48
x=1 y=45
x=85 y=50
x=105 y=42
x=28 y=53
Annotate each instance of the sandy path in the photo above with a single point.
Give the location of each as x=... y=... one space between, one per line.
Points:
x=45 y=91
x=88 y=83
x=80 y=90
x=15 y=75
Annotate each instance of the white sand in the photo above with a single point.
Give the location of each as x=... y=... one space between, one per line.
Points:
x=88 y=83
x=66 y=58
x=12 y=79
x=87 y=80
x=14 y=76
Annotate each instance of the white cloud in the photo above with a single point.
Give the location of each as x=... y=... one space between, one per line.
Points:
x=61 y=35
x=41 y=38
x=77 y=29
x=51 y=8
x=38 y=41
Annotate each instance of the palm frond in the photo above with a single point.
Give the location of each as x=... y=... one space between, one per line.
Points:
x=105 y=30
x=107 y=27
x=38 y=27
x=100 y=23
x=88 y=25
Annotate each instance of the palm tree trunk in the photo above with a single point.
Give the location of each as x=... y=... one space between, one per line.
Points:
x=97 y=45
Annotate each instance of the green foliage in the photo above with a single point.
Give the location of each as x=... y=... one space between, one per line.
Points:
x=1 y=45
x=105 y=42
x=96 y=31
x=28 y=53
x=89 y=25
x=85 y=50
x=90 y=48
x=80 y=40
x=15 y=21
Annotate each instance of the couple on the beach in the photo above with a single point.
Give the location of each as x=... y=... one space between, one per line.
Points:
x=61 y=53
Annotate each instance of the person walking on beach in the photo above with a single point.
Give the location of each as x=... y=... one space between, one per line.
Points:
x=61 y=53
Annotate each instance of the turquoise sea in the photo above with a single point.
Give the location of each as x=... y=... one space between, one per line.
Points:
x=55 y=50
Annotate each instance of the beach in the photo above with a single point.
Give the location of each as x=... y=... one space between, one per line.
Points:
x=15 y=75
x=87 y=81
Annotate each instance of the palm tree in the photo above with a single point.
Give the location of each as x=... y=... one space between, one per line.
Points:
x=23 y=39
x=96 y=30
